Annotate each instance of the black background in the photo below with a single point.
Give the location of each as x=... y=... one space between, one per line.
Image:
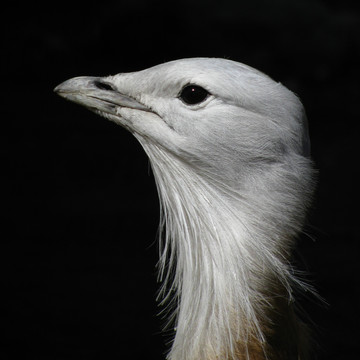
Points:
x=80 y=208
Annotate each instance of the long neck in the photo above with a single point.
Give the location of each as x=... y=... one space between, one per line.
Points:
x=231 y=280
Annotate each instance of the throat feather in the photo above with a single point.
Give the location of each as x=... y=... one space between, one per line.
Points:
x=228 y=269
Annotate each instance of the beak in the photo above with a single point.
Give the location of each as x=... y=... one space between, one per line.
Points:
x=97 y=94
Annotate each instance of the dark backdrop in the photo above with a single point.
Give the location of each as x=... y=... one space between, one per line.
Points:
x=80 y=208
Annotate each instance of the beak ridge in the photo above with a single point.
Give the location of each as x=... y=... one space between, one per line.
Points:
x=96 y=93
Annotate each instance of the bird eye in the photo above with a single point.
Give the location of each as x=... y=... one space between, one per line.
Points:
x=193 y=94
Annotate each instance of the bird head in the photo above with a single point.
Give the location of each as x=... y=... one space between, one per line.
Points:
x=215 y=113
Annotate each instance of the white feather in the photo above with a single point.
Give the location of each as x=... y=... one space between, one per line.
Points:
x=234 y=179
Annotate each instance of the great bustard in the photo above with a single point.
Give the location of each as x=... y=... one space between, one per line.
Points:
x=230 y=153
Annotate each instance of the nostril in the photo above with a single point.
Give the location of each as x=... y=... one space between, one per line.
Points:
x=103 y=85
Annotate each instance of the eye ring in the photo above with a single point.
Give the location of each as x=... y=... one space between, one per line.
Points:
x=193 y=94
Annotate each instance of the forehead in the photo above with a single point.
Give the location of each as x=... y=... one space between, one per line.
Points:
x=216 y=75
x=205 y=72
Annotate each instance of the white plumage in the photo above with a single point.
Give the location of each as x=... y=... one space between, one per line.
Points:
x=229 y=150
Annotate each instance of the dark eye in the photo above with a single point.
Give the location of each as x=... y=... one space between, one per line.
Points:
x=193 y=94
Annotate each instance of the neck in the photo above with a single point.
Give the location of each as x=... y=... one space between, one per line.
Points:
x=231 y=280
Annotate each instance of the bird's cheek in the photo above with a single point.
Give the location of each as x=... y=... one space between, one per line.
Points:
x=139 y=121
x=151 y=126
x=184 y=124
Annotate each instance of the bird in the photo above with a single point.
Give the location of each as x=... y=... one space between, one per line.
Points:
x=230 y=152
